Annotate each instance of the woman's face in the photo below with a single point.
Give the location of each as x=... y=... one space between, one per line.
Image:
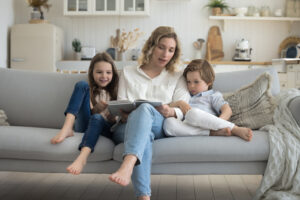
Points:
x=163 y=52
x=102 y=73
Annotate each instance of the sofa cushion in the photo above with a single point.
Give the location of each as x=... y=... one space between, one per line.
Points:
x=29 y=143
x=43 y=95
x=232 y=81
x=253 y=105
x=207 y=149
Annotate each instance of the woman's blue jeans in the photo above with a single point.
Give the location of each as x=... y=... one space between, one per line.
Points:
x=92 y=125
x=143 y=126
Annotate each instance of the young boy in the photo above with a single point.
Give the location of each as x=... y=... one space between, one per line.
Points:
x=204 y=107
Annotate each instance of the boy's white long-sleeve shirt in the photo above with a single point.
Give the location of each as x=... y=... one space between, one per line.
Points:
x=167 y=87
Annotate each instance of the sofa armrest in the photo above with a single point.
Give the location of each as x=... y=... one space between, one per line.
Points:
x=294 y=106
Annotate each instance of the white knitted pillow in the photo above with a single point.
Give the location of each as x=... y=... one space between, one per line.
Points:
x=3 y=119
x=253 y=105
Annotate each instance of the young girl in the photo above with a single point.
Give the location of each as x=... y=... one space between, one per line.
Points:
x=87 y=108
x=204 y=107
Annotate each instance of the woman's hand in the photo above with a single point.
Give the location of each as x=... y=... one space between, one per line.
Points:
x=166 y=111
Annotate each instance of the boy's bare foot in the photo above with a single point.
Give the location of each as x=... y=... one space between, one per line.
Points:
x=144 y=198
x=123 y=175
x=242 y=132
x=61 y=135
x=221 y=132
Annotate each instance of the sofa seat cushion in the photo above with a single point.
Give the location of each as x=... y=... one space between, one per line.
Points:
x=30 y=143
x=207 y=149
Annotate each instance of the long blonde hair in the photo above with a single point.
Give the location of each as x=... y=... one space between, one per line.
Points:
x=159 y=33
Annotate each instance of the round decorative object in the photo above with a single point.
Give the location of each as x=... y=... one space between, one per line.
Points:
x=286 y=43
x=291 y=52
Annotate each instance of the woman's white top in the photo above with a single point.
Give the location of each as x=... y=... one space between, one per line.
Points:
x=167 y=87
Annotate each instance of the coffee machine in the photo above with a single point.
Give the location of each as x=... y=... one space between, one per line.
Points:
x=242 y=51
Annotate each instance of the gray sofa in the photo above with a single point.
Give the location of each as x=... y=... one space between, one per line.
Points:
x=35 y=101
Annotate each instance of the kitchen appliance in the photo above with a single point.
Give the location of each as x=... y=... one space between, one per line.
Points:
x=242 y=51
x=36 y=47
x=87 y=53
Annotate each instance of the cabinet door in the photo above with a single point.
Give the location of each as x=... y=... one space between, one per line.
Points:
x=135 y=7
x=106 y=7
x=77 y=7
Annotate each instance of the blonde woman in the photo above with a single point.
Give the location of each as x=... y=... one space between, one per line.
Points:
x=154 y=79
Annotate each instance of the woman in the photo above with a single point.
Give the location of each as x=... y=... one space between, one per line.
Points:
x=155 y=79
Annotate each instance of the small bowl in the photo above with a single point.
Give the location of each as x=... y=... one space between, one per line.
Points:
x=241 y=12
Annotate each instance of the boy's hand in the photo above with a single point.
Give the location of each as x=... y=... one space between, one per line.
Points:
x=124 y=116
x=166 y=110
x=184 y=107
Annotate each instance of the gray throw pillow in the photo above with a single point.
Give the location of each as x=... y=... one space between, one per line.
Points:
x=253 y=105
x=3 y=119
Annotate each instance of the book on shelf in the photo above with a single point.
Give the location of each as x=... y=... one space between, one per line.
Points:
x=115 y=106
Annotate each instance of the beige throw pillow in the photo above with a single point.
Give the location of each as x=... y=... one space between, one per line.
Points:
x=253 y=105
x=3 y=119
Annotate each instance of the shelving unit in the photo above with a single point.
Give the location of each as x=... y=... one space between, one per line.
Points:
x=291 y=20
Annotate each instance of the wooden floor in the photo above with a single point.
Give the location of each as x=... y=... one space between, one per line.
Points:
x=46 y=186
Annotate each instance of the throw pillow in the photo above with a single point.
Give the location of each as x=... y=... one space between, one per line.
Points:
x=253 y=105
x=3 y=119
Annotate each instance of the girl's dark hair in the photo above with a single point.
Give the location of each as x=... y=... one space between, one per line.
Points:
x=112 y=87
x=204 y=68
x=159 y=33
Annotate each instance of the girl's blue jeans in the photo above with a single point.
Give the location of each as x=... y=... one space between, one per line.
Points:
x=143 y=125
x=92 y=125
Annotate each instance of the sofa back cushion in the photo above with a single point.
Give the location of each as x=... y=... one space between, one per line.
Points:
x=232 y=81
x=36 y=99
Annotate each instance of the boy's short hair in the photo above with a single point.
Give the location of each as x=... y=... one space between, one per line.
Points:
x=204 y=68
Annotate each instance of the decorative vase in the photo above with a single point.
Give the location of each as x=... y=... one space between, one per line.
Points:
x=120 y=56
x=216 y=11
x=35 y=13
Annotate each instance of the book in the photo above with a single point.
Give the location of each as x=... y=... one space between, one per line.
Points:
x=115 y=106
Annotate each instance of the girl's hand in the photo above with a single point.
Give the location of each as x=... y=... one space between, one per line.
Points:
x=124 y=116
x=99 y=107
x=111 y=118
x=166 y=111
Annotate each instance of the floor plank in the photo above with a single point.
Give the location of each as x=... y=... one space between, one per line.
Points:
x=203 y=188
x=185 y=188
x=237 y=187
x=251 y=182
x=220 y=188
x=167 y=188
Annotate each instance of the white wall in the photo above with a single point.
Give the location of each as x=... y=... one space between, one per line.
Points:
x=189 y=18
x=6 y=20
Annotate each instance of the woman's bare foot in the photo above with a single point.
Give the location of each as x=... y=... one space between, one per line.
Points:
x=144 y=198
x=61 y=135
x=76 y=167
x=123 y=175
x=242 y=132
x=221 y=132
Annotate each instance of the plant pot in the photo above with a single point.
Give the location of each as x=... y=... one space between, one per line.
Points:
x=121 y=56
x=216 y=11
x=77 y=55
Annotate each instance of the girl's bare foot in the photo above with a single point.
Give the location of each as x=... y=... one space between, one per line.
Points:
x=123 y=175
x=144 y=198
x=61 y=135
x=242 y=132
x=76 y=167
x=221 y=132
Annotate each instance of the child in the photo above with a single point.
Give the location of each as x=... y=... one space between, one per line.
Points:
x=204 y=107
x=87 y=108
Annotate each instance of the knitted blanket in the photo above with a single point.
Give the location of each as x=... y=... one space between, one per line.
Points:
x=281 y=180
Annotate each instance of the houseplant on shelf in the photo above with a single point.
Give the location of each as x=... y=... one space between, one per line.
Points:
x=217 y=6
x=37 y=5
x=76 y=44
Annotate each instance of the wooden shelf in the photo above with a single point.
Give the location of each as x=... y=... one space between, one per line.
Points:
x=291 y=20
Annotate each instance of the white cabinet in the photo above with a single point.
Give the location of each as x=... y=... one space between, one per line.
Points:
x=106 y=7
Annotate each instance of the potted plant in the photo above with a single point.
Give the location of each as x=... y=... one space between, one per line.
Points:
x=217 y=6
x=76 y=44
